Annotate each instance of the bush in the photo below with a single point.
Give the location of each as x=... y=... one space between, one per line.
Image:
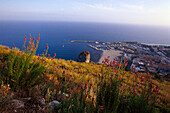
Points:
x=115 y=92
x=23 y=72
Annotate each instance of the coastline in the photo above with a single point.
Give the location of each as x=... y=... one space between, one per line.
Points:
x=112 y=53
x=96 y=55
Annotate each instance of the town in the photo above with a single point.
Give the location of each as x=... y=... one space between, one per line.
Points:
x=144 y=58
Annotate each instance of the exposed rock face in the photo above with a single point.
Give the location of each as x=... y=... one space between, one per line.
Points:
x=84 y=57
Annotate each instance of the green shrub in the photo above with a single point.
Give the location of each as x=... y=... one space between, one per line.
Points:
x=23 y=72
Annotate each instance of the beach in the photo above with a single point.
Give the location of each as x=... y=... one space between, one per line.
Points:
x=112 y=53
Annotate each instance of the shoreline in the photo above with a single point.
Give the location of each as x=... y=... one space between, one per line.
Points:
x=112 y=53
x=150 y=44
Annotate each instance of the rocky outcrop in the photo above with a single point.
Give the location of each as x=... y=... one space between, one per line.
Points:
x=84 y=57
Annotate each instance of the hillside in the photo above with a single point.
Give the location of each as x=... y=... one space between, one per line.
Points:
x=52 y=79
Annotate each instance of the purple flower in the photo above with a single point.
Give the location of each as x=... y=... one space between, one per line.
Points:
x=62 y=99
x=101 y=107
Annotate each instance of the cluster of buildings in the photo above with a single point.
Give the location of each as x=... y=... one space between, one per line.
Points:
x=154 y=59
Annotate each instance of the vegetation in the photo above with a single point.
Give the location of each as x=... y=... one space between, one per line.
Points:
x=79 y=87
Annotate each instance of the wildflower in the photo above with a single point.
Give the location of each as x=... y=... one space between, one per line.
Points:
x=125 y=100
x=64 y=72
x=126 y=64
x=29 y=42
x=62 y=99
x=47 y=46
x=80 y=85
x=25 y=39
x=118 y=101
x=114 y=62
x=132 y=67
x=114 y=71
x=33 y=38
x=101 y=107
x=119 y=65
x=54 y=54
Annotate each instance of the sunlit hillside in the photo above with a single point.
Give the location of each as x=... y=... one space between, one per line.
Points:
x=69 y=74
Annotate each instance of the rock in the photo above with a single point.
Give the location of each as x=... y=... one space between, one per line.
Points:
x=53 y=104
x=84 y=57
x=17 y=103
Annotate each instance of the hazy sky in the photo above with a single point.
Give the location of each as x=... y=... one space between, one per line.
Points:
x=154 y=12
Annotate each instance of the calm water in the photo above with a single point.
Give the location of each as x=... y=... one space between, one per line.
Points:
x=57 y=34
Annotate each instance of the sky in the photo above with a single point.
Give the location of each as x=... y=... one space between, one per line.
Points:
x=147 y=12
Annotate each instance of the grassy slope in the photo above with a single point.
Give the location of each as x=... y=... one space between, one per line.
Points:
x=86 y=71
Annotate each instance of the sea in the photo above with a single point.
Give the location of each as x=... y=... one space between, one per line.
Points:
x=59 y=34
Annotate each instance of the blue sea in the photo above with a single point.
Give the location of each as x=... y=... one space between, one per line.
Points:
x=57 y=34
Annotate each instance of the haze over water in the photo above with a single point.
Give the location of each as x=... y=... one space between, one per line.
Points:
x=57 y=34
